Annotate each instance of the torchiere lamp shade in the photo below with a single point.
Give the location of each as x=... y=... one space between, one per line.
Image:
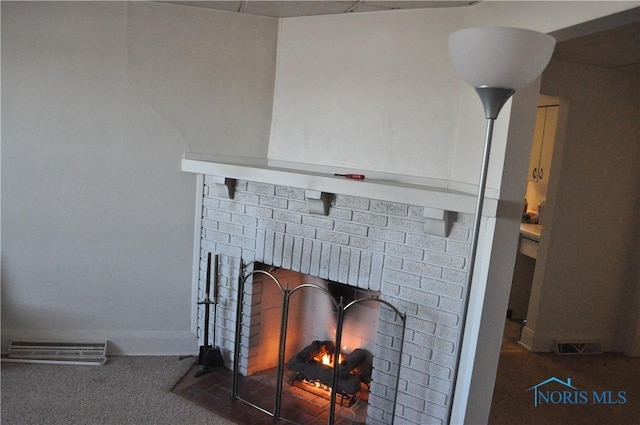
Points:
x=499 y=56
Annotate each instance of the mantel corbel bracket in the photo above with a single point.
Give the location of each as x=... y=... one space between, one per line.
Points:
x=319 y=202
x=224 y=187
x=437 y=222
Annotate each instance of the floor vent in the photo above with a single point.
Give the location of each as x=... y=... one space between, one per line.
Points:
x=577 y=348
x=93 y=353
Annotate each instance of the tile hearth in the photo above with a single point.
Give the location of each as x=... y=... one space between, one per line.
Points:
x=213 y=392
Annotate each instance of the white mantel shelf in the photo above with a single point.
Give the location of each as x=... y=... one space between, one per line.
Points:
x=431 y=193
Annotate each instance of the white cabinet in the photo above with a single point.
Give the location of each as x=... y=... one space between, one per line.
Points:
x=543 y=139
x=528 y=247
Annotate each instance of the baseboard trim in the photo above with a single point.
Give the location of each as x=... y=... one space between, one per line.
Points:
x=121 y=342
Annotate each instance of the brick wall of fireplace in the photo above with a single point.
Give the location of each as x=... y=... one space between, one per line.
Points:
x=367 y=243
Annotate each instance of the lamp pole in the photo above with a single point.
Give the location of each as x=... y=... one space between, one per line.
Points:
x=496 y=61
x=493 y=99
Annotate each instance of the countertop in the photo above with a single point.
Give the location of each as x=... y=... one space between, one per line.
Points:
x=532 y=231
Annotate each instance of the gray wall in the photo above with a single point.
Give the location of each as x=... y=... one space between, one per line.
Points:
x=588 y=277
x=99 y=103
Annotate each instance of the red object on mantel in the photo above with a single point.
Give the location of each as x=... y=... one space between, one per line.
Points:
x=352 y=176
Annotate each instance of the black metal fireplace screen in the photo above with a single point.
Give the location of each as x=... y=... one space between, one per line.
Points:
x=342 y=378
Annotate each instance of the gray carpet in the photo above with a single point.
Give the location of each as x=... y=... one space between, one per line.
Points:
x=125 y=390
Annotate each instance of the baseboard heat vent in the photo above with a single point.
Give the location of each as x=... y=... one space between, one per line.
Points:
x=577 y=348
x=93 y=353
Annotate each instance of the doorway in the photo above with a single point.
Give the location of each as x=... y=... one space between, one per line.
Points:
x=585 y=284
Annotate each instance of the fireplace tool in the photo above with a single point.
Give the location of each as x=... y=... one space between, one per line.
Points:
x=209 y=356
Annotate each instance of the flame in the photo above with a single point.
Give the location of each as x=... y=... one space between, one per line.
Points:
x=326 y=359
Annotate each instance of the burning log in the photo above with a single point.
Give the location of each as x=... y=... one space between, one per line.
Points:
x=360 y=363
x=311 y=352
x=353 y=370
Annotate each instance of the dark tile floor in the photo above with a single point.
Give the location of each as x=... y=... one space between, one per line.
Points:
x=213 y=391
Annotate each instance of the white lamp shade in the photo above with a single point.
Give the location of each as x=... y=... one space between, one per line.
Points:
x=500 y=57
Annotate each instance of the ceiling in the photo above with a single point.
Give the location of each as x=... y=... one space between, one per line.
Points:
x=610 y=42
x=288 y=9
x=617 y=48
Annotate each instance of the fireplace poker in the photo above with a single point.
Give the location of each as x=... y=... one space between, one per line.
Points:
x=217 y=355
x=209 y=357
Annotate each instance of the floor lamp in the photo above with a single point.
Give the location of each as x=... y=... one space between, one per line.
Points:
x=496 y=61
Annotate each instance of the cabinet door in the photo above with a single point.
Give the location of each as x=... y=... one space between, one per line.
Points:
x=538 y=134
x=548 y=139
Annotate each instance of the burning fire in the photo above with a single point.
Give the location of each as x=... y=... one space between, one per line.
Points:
x=327 y=359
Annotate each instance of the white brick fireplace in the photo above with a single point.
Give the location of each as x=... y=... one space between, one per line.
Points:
x=373 y=244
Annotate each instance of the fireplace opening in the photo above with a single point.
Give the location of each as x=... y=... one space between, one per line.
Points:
x=311 y=316
x=289 y=326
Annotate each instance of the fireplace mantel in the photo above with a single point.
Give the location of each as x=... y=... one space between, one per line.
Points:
x=430 y=193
